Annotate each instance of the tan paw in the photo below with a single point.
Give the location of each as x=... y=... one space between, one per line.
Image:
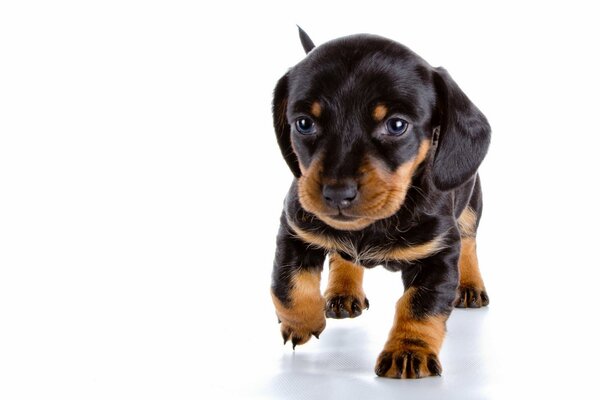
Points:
x=302 y=313
x=300 y=333
x=304 y=318
x=410 y=360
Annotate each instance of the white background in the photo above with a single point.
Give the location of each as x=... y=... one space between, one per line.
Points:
x=141 y=185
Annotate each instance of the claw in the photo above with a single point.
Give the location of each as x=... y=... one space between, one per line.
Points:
x=485 y=300
x=399 y=366
x=433 y=365
x=316 y=334
x=384 y=364
x=469 y=297
x=295 y=341
x=286 y=337
x=416 y=367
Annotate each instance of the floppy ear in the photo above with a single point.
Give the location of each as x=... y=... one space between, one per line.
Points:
x=464 y=135
x=282 y=128
x=307 y=43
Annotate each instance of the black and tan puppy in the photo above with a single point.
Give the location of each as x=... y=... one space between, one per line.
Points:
x=384 y=149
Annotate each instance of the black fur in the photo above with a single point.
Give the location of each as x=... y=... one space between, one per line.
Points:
x=282 y=128
x=292 y=255
x=465 y=134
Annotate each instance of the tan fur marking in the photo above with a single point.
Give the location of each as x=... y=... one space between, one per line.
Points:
x=416 y=252
x=321 y=240
x=431 y=330
x=356 y=225
x=466 y=222
x=381 y=196
x=423 y=149
x=345 y=278
x=316 y=109
x=309 y=194
x=405 y=331
x=309 y=186
x=306 y=313
x=383 y=192
x=411 y=253
x=470 y=276
x=379 y=112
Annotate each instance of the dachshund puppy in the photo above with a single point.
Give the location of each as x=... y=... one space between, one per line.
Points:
x=384 y=150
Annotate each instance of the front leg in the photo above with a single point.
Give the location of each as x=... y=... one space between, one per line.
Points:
x=345 y=296
x=416 y=337
x=296 y=289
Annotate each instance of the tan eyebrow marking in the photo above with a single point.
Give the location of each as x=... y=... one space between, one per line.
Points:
x=316 y=109
x=379 y=112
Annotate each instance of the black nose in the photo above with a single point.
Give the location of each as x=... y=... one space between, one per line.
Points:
x=340 y=195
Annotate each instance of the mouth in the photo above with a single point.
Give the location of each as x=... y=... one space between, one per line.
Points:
x=343 y=217
x=345 y=222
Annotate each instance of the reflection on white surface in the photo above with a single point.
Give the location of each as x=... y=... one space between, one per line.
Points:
x=503 y=351
x=340 y=365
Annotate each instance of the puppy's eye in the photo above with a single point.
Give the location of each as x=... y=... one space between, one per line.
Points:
x=396 y=126
x=305 y=126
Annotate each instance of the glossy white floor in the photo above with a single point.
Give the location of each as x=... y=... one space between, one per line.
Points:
x=520 y=346
x=340 y=364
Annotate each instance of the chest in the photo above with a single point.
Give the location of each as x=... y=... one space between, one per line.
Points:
x=372 y=249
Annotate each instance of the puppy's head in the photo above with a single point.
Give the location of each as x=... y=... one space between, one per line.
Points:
x=357 y=118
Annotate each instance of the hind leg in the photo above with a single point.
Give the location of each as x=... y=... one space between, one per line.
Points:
x=471 y=290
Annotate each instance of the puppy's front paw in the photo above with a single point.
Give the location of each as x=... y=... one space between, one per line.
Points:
x=471 y=296
x=304 y=318
x=346 y=306
x=410 y=361
x=299 y=332
x=345 y=296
